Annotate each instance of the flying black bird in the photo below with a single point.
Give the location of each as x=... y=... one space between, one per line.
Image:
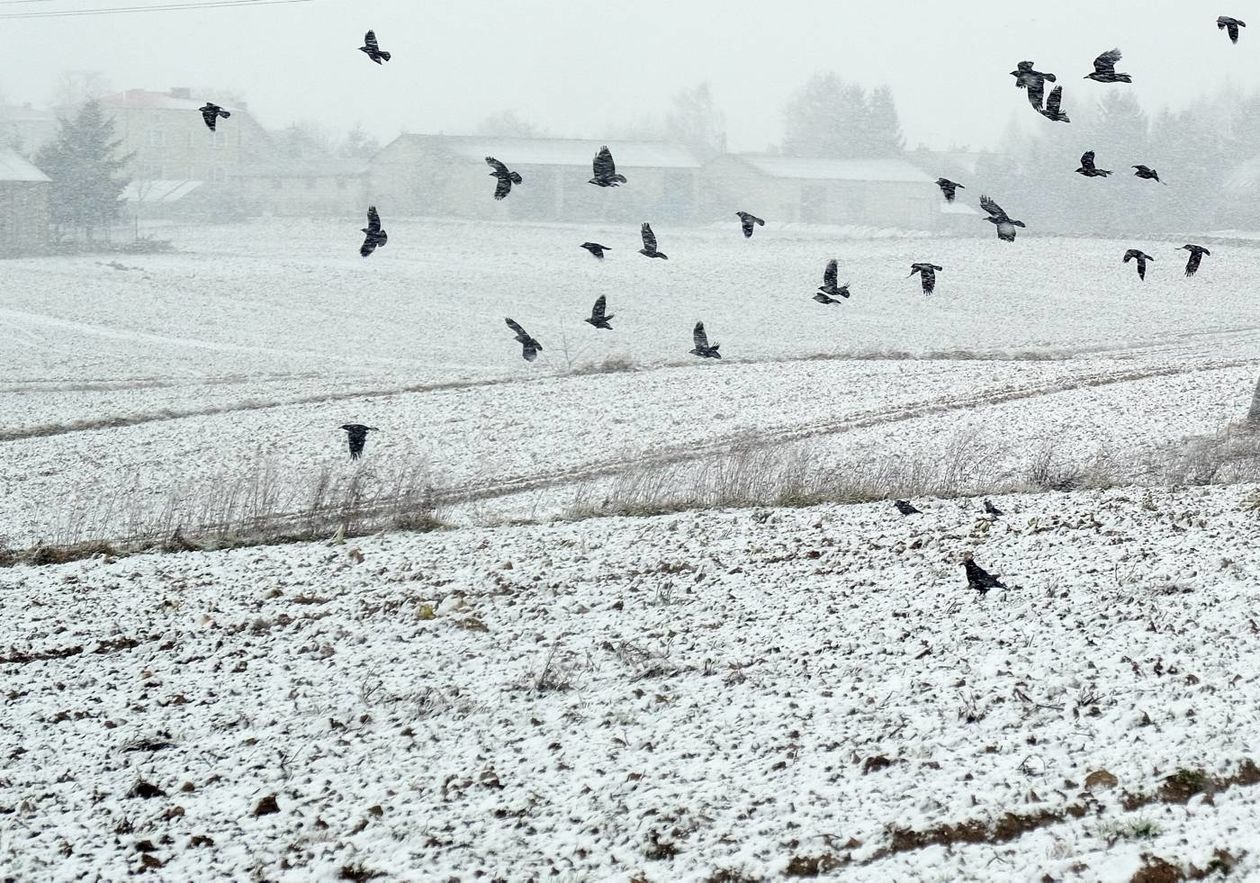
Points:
x=605 y=170
x=371 y=49
x=978 y=578
x=1105 y=69
x=1232 y=24
x=746 y=221
x=210 y=112
x=598 y=319
x=906 y=508
x=529 y=346
x=829 y=289
x=596 y=249
x=357 y=436
x=1088 y=169
x=1147 y=173
x=649 y=244
x=1025 y=76
x=1054 y=103
x=373 y=235
x=927 y=273
x=702 y=348
x=506 y=178
x=949 y=188
x=1196 y=255
x=990 y=509
x=1141 y=257
x=1004 y=223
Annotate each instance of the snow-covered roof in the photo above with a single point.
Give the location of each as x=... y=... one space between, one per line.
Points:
x=895 y=170
x=14 y=168
x=155 y=192
x=303 y=168
x=151 y=100
x=567 y=151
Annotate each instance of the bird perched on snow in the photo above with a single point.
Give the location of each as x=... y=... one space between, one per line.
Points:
x=1105 y=69
x=906 y=508
x=649 y=244
x=1147 y=173
x=1004 y=223
x=701 y=340
x=210 y=112
x=529 y=346
x=506 y=178
x=927 y=274
x=990 y=509
x=1032 y=80
x=1141 y=257
x=356 y=434
x=949 y=188
x=596 y=249
x=978 y=578
x=1196 y=256
x=1088 y=169
x=829 y=289
x=373 y=235
x=746 y=221
x=1225 y=23
x=605 y=171
x=1053 y=110
x=372 y=50
x=598 y=319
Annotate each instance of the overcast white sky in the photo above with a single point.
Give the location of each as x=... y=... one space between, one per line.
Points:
x=576 y=67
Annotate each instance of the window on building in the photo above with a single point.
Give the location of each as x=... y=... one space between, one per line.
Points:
x=217 y=140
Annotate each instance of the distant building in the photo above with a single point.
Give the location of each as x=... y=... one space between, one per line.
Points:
x=26 y=129
x=303 y=187
x=448 y=175
x=864 y=192
x=24 y=200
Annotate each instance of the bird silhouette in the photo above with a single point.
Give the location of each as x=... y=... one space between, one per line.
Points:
x=1105 y=69
x=1088 y=169
x=506 y=178
x=210 y=112
x=701 y=340
x=1141 y=257
x=529 y=347
x=372 y=50
x=1053 y=110
x=1225 y=23
x=949 y=188
x=596 y=249
x=598 y=319
x=1147 y=173
x=747 y=220
x=829 y=289
x=990 y=509
x=1032 y=80
x=927 y=274
x=373 y=235
x=356 y=435
x=906 y=508
x=649 y=244
x=1196 y=256
x=1004 y=223
x=605 y=170
x=978 y=578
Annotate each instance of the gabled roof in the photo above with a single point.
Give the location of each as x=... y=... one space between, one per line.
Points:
x=14 y=168
x=564 y=151
x=891 y=170
x=142 y=98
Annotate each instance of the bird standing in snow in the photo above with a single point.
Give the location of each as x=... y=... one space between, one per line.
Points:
x=747 y=220
x=649 y=244
x=927 y=274
x=905 y=507
x=1088 y=169
x=1141 y=257
x=1105 y=69
x=829 y=289
x=210 y=112
x=1147 y=173
x=605 y=170
x=701 y=341
x=372 y=50
x=1004 y=223
x=506 y=177
x=356 y=435
x=949 y=188
x=598 y=319
x=529 y=346
x=1225 y=23
x=990 y=509
x=373 y=235
x=1053 y=110
x=596 y=249
x=978 y=578
x=1196 y=256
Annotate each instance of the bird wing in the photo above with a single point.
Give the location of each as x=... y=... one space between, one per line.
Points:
x=1055 y=101
x=368 y=246
x=603 y=165
x=649 y=238
x=503 y=188
x=830 y=275
x=1131 y=254
x=994 y=210
x=369 y=40
x=1087 y=159
x=701 y=339
x=499 y=168
x=374 y=220
x=1036 y=93
x=521 y=333
x=597 y=311
x=1107 y=61
x=1192 y=265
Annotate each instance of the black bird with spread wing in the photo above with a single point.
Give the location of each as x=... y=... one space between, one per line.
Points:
x=210 y=112
x=1147 y=173
x=1141 y=257
x=356 y=435
x=373 y=235
x=649 y=244
x=1054 y=107
x=830 y=290
x=927 y=274
x=1088 y=169
x=1225 y=23
x=905 y=507
x=605 y=170
x=1196 y=257
x=596 y=249
x=949 y=188
x=598 y=319
x=1000 y=219
x=506 y=177
x=746 y=221
x=978 y=578
x=701 y=340
x=1032 y=80
x=372 y=50
x=1105 y=69
x=529 y=347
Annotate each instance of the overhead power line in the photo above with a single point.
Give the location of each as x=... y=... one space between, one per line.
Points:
x=165 y=7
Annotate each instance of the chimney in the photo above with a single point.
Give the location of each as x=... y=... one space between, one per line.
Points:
x=181 y=92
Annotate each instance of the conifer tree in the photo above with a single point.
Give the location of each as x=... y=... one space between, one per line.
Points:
x=86 y=171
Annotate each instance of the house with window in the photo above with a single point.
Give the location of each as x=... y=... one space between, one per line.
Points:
x=24 y=206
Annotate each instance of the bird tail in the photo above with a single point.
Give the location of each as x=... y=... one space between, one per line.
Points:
x=620 y=179
x=1051 y=78
x=383 y=54
x=516 y=178
x=1124 y=78
x=225 y=113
